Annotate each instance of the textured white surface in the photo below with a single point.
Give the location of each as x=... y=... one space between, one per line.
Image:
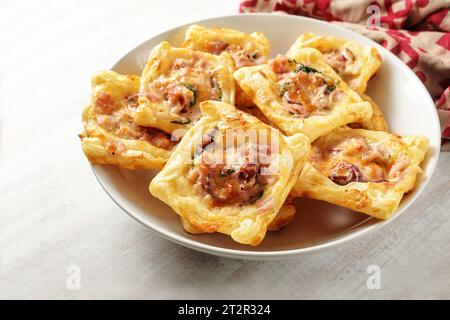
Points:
x=54 y=214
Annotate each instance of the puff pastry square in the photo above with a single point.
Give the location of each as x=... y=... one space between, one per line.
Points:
x=110 y=134
x=367 y=171
x=302 y=94
x=354 y=63
x=245 y=49
x=281 y=220
x=231 y=173
x=284 y=216
x=176 y=80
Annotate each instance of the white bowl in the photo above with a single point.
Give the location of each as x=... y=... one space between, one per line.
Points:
x=317 y=225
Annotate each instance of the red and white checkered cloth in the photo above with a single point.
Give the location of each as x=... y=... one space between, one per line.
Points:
x=417 y=31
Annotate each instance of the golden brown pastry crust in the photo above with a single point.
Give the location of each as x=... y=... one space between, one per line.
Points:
x=281 y=220
x=261 y=85
x=378 y=199
x=103 y=146
x=365 y=60
x=246 y=223
x=246 y=49
x=377 y=122
x=160 y=64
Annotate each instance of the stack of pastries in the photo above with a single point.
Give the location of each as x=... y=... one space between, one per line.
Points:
x=237 y=136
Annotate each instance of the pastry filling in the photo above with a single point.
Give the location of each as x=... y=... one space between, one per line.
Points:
x=116 y=117
x=343 y=62
x=241 y=56
x=304 y=90
x=355 y=159
x=226 y=174
x=185 y=84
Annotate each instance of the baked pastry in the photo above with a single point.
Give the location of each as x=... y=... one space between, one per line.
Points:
x=354 y=63
x=245 y=49
x=377 y=122
x=110 y=134
x=367 y=171
x=231 y=173
x=174 y=83
x=254 y=111
x=302 y=94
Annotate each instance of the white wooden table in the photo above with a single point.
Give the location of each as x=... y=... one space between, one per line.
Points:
x=56 y=222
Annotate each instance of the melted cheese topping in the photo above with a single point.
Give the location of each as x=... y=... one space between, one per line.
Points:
x=305 y=91
x=343 y=62
x=226 y=174
x=186 y=84
x=241 y=56
x=116 y=117
x=355 y=159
